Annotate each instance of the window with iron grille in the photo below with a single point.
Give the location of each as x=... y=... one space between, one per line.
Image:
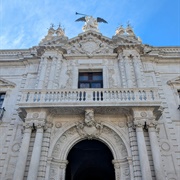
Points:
x=90 y=80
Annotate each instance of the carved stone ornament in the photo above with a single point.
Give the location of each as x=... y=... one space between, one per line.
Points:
x=152 y=123
x=90 y=24
x=143 y=114
x=35 y=115
x=90 y=45
x=89 y=128
x=139 y=123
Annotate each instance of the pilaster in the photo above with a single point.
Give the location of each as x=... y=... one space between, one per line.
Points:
x=22 y=158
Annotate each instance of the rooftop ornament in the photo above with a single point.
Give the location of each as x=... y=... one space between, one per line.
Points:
x=90 y=22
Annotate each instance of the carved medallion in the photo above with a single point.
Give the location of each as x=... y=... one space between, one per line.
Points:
x=35 y=115
x=89 y=47
x=58 y=125
x=143 y=114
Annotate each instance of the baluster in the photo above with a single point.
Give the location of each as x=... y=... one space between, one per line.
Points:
x=65 y=95
x=39 y=96
x=77 y=93
x=132 y=95
x=94 y=95
x=84 y=96
x=144 y=95
x=98 y=96
x=46 y=96
x=121 y=95
x=140 y=95
x=54 y=96
x=102 y=96
x=43 y=97
x=58 y=97
x=50 y=96
x=80 y=96
x=128 y=96
x=124 y=95
x=61 y=96
x=152 y=94
x=76 y=96
x=27 y=97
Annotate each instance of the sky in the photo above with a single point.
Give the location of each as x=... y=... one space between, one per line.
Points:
x=23 y=23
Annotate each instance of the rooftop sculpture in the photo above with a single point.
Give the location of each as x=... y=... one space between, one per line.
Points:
x=90 y=22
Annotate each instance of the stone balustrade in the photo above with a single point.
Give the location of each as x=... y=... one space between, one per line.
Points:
x=74 y=97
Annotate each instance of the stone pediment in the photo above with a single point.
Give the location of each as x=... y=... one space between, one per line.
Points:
x=90 y=43
x=6 y=83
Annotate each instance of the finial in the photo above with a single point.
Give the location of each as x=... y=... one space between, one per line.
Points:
x=60 y=31
x=120 y=30
x=52 y=25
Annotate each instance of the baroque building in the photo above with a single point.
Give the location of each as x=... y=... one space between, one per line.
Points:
x=90 y=107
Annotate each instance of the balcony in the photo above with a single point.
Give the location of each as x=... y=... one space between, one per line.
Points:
x=130 y=97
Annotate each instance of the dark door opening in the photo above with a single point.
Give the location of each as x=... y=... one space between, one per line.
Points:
x=90 y=160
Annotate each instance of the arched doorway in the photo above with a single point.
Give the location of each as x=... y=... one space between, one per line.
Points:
x=90 y=159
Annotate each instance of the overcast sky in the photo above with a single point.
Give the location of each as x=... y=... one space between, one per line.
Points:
x=23 y=23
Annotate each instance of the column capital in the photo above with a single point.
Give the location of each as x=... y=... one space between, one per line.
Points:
x=139 y=123
x=63 y=164
x=151 y=125
x=27 y=127
x=116 y=163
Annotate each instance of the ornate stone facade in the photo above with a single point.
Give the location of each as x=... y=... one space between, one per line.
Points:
x=135 y=114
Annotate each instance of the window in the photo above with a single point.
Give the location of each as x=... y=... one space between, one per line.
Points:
x=90 y=80
x=178 y=93
x=2 y=96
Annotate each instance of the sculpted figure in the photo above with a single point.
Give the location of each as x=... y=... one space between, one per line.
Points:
x=90 y=22
x=89 y=117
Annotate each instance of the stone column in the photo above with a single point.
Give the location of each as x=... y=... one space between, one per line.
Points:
x=21 y=162
x=117 y=169
x=155 y=150
x=35 y=158
x=143 y=156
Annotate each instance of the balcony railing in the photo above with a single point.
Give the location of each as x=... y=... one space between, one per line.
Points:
x=91 y=96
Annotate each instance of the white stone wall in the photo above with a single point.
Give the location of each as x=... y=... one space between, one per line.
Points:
x=125 y=64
